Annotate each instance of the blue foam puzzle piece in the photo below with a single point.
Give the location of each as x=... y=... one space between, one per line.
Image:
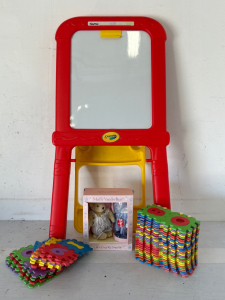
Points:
x=86 y=248
x=38 y=244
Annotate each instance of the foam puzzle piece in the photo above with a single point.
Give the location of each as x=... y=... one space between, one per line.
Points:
x=39 y=263
x=167 y=217
x=32 y=275
x=167 y=240
x=38 y=272
x=78 y=247
x=54 y=254
x=44 y=263
x=31 y=283
x=11 y=268
x=14 y=265
x=38 y=244
x=49 y=241
x=23 y=254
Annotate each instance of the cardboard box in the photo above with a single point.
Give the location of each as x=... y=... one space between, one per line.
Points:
x=120 y=201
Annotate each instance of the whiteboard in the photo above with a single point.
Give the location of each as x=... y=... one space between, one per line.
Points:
x=110 y=81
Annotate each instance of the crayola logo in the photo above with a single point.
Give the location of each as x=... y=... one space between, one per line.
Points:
x=110 y=137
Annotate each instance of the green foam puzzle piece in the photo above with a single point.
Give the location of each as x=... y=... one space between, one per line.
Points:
x=165 y=220
x=18 y=254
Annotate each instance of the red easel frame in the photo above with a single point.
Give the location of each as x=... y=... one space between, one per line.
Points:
x=66 y=138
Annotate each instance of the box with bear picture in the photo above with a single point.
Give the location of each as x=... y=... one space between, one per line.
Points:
x=108 y=218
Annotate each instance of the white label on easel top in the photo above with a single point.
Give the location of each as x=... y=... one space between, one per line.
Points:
x=110 y=23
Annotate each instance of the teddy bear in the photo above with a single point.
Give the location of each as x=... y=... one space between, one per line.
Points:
x=99 y=221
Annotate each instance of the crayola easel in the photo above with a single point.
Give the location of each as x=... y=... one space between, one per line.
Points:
x=126 y=98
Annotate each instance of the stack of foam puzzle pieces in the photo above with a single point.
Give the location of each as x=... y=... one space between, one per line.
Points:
x=43 y=261
x=167 y=240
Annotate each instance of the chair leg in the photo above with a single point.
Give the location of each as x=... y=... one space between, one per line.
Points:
x=77 y=206
x=60 y=192
x=143 y=187
x=160 y=177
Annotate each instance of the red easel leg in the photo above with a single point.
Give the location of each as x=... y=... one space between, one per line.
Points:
x=160 y=177
x=60 y=192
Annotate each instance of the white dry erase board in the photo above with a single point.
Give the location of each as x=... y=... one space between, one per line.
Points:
x=110 y=81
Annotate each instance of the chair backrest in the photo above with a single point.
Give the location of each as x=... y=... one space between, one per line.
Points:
x=105 y=156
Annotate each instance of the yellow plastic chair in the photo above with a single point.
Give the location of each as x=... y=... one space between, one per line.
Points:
x=107 y=156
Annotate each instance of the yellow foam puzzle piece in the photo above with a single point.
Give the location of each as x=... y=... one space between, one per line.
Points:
x=78 y=246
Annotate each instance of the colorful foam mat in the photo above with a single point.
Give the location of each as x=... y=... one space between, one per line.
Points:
x=41 y=262
x=167 y=240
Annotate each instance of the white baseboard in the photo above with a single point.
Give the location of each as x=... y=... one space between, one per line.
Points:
x=30 y=209
x=39 y=209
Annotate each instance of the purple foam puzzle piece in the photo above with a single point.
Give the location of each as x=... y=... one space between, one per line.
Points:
x=34 y=258
x=27 y=265
x=36 y=272
x=7 y=264
x=13 y=270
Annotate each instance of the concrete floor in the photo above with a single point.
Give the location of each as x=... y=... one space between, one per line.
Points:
x=115 y=275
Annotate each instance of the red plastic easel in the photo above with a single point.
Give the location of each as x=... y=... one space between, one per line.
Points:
x=65 y=138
